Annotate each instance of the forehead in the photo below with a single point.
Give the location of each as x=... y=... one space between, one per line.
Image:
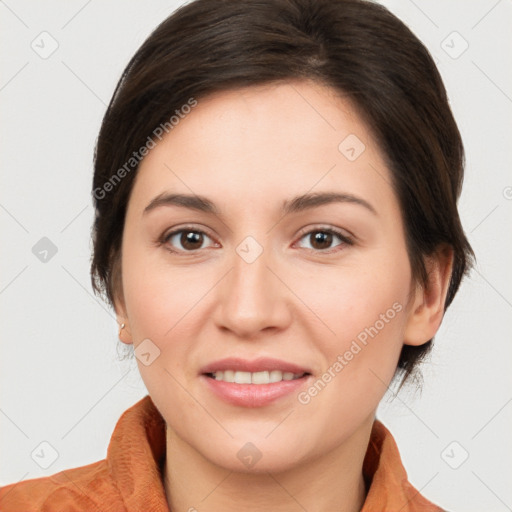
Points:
x=267 y=141
x=287 y=118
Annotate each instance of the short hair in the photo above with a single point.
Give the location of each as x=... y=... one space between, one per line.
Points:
x=356 y=47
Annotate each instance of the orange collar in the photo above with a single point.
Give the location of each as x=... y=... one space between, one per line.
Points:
x=389 y=488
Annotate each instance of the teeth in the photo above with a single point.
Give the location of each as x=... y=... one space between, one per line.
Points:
x=276 y=376
x=242 y=377
x=260 y=378
x=256 y=377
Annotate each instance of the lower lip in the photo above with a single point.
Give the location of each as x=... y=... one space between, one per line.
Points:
x=253 y=395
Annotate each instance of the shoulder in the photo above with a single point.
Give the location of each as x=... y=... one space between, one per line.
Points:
x=88 y=488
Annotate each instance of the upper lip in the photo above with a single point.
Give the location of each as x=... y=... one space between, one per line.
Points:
x=255 y=365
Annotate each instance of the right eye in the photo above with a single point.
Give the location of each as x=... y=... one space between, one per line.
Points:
x=190 y=239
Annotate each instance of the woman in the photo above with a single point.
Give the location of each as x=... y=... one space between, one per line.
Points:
x=277 y=230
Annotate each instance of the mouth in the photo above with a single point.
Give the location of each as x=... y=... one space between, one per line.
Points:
x=256 y=383
x=257 y=378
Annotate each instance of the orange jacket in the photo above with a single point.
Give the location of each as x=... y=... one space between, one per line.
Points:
x=130 y=478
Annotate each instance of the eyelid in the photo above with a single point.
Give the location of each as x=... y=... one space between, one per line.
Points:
x=326 y=227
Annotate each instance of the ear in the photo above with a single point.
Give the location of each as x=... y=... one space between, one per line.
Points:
x=125 y=334
x=428 y=301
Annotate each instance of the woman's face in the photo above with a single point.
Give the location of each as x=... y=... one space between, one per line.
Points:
x=261 y=263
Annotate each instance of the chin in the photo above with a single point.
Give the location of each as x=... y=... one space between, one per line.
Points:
x=255 y=457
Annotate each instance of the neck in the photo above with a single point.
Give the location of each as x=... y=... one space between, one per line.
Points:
x=331 y=482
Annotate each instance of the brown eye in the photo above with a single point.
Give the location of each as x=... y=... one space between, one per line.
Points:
x=322 y=240
x=191 y=240
x=186 y=240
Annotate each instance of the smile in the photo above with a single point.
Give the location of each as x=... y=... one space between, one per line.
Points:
x=265 y=377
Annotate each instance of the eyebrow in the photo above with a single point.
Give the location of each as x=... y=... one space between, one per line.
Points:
x=294 y=205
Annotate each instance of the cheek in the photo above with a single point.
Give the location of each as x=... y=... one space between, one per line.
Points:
x=158 y=296
x=163 y=304
x=367 y=314
x=363 y=311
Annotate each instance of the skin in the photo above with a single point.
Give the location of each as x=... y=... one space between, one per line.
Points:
x=249 y=150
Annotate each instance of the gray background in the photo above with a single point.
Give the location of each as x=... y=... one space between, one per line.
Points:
x=61 y=379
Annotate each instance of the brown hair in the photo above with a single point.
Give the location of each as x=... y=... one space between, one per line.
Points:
x=356 y=47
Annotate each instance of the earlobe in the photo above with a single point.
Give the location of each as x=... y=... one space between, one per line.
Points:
x=122 y=320
x=124 y=333
x=428 y=302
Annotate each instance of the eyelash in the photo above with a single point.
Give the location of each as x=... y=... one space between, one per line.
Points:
x=345 y=239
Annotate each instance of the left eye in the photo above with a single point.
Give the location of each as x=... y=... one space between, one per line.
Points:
x=322 y=239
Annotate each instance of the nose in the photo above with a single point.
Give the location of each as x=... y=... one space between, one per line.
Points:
x=252 y=299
